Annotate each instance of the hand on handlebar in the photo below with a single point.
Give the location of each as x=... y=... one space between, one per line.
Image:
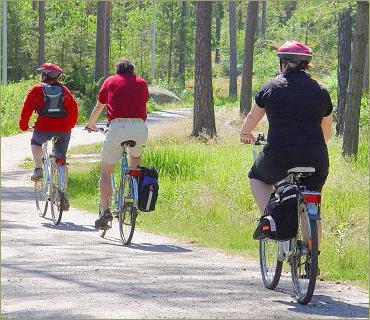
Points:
x=90 y=128
x=247 y=138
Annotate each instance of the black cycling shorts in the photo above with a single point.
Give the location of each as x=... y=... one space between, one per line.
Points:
x=272 y=164
x=61 y=145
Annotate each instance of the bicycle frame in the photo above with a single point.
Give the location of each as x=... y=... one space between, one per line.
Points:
x=118 y=198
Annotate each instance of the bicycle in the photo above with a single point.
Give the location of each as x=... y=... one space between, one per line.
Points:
x=300 y=252
x=125 y=196
x=53 y=186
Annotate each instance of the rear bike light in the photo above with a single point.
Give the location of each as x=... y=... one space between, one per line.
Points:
x=134 y=172
x=312 y=198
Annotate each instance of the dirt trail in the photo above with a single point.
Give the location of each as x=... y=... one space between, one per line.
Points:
x=67 y=271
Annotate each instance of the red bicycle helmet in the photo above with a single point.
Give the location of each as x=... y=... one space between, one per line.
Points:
x=295 y=51
x=50 y=70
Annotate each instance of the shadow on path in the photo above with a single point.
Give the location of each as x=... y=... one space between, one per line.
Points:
x=68 y=226
x=326 y=306
x=157 y=247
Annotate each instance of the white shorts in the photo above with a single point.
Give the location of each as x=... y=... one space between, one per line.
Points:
x=122 y=129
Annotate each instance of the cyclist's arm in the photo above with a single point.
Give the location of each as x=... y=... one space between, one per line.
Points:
x=95 y=114
x=326 y=123
x=27 y=109
x=253 y=118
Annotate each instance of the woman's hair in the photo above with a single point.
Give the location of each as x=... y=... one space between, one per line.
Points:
x=295 y=65
x=124 y=66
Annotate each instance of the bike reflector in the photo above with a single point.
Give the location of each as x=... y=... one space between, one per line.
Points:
x=134 y=172
x=312 y=198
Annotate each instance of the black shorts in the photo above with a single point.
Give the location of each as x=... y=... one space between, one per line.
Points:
x=61 y=145
x=272 y=164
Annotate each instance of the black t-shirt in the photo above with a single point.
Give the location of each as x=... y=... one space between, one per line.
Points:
x=295 y=105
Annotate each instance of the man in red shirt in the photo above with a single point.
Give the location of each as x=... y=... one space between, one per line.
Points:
x=125 y=96
x=49 y=125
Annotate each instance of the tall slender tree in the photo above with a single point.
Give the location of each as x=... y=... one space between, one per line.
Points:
x=250 y=28
x=366 y=68
x=233 y=86
x=219 y=16
x=355 y=85
x=204 y=117
x=182 y=44
x=41 y=47
x=263 y=19
x=344 y=60
x=102 y=39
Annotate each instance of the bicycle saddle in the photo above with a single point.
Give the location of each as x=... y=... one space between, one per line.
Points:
x=128 y=143
x=301 y=170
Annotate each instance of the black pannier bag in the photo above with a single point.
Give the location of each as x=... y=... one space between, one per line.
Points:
x=54 y=101
x=148 y=189
x=280 y=219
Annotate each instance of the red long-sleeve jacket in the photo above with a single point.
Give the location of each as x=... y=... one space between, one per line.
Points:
x=35 y=99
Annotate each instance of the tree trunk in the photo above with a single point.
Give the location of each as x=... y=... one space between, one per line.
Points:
x=219 y=16
x=240 y=15
x=233 y=86
x=366 y=68
x=263 y=19
x=169 y=64
x=41 y=51
x=204 y=117
x=108 y=6
x=182 y=44
x=351 y=123
x=246 y=91
x=344 y=60
x=102 y=39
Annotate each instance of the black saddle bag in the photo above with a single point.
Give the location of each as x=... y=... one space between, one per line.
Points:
x=280 y=218
x=148 y=189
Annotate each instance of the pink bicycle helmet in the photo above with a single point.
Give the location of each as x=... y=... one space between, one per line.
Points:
x=50 y=70
x=295 y=51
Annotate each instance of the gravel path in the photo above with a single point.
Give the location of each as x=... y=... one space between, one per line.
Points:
x=67 y=271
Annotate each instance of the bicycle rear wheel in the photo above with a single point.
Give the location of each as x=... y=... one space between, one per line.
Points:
x=128 y=211
x=304 y=263
x=270 y=265
x=55 y=195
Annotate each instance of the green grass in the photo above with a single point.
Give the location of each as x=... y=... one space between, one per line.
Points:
x=204 y=196
x=12 y=97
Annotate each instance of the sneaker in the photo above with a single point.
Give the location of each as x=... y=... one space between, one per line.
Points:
x=103 y=219
x=37 y=174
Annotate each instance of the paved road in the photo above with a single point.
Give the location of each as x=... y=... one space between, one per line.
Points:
x=67 y=271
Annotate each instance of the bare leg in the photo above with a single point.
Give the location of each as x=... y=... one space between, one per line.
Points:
x=105 y=184
x=37 y=155
x=261 y=192
x=134 y=161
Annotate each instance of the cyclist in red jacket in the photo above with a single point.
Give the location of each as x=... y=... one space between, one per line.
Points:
x=57 y=115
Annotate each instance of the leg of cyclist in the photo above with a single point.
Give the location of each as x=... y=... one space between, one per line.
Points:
x=261 y=192
x=61 y=147
x=38 y=138
x=37 y=158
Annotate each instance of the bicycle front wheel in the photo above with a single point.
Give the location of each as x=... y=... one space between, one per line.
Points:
x=304 y=263
x=270 y=265
x=41 y=197
x=128 y=211
x=55 y=195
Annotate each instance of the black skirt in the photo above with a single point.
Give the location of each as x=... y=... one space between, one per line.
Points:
x=273 y=163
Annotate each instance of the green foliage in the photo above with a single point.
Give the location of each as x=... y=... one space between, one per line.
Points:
x=11 y=100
